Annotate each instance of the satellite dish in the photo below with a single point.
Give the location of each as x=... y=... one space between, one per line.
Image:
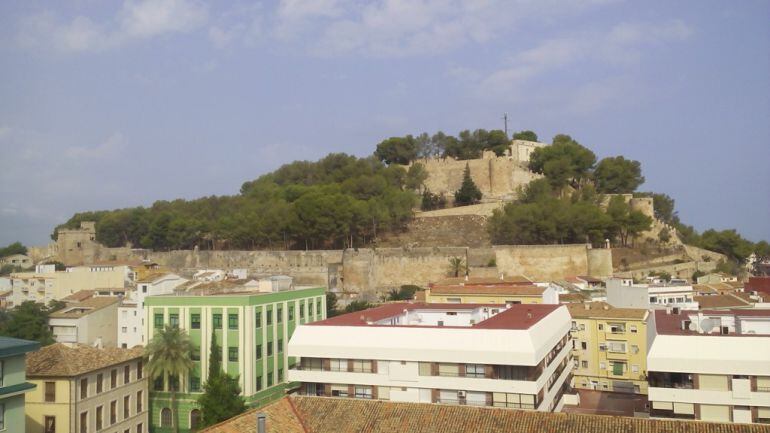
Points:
x=693 y=327
x=708 y=325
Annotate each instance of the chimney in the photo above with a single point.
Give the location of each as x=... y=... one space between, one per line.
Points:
x=261 y=422
x=529 y=314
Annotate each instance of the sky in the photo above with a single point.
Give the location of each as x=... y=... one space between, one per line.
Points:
x=116 y=104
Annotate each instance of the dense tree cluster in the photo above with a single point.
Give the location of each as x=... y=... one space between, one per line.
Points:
x=14 y=248
x=339 y=201
x=29 y=321
x=542 y=216
x=466 y=145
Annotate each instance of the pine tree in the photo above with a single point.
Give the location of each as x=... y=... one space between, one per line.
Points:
x=468 y=193
x=221 y=397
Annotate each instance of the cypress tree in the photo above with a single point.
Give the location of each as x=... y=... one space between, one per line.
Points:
x=221 y=397
x=468 y=193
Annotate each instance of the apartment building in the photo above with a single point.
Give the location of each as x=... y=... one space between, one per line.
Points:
x=13 y=382
x=130 y=319
x=253 y=330
x=46 y=284
x=711 y=365
x=92 y=321
x=515 y=356
x=83 y=389
x=609 y=347
x=510 y=290
x=655 y=296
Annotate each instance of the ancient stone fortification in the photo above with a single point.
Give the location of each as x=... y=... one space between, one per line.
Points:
x=498 y=177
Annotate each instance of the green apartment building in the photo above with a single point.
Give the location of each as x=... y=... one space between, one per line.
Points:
x=13 y=382
x=253 y=330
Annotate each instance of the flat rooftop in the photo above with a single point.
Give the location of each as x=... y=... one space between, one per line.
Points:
x=476 y=316
x=498 y=289
x=728 y=323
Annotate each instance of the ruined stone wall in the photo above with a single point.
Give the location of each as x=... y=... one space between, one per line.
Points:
x=551 y=262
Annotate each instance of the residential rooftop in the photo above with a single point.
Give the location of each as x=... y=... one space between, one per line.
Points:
x=15 y=346
x=297 y=414
x=720 y=301
x=497 y=289
x=603 y=310
x=61 y=360
x=483 y=281
x=729 y=322
x=476 y=316
x=75 y=310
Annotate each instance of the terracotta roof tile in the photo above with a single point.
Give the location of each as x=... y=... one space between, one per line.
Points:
x=60 y=360
x=720 y=301
x=75 y=310
x=342 y=415
x=80 y=295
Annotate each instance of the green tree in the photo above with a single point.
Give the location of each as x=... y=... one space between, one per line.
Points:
x=331 y=304
x=416 y=176
x=14 y=248
x=404 y=293
x=457 y=266
x=29 y=321
x=468 y=193
x=663 y=206
x=762 y=250
x=357 y=306
x=696 y=275
x=618 y=175
x=626 y=223
x=664 y=235
x=397 y=150
x=525 y=135
x=432 y=201
x=221 y=398
x=727 y=242
x=168 y=356
x=565 y=162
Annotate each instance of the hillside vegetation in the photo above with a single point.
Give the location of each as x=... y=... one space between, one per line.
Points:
x=345 y=201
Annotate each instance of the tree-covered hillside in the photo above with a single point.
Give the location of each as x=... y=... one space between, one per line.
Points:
x=343 y=201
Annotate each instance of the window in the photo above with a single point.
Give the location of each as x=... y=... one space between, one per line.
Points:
x=318 y=306
x=139 y=401
x=474 y=370
x=232 y=321
x=158 y=383
x=634 y=349
x=454 y=300
x=2 y=373
x=113 y=379
x=232 y=354
x=280 y=375
x=159 y=320
x=280 y=345
x=195 y=321
x=50 y=424
x=269 y=317
x=259 y=383
x=173 y=383
x=617 y=328
x=165 y=417
x=126 y=374
x=291 y=312
x=113 y=412
x=618 y=368
x=601 y=327
x=362 y=366
x=310 y=308
x=582 y=326
x=217 y=321
x=339 y=390
x=632 y=328
x=583 y=345
x=84 y=422
x=269 y=348
x=616 y=346
x=124 y=329
x=583 y=364
x=634 y=368
x=84 y=388
x=574 y=326
x=363 y=391
x=50 y=392
x=195 y=355
x=195 y=419
x=174 y=320
x=258 y=319
x=301 y=311
x=140 y=428
x=602 y=366
x=259 y=351
x=269 y=380
x=126 y=406
x=139 y=370
x=99 y=383
x=195 y=383
x=279 y=315
x=99 y=417
x=602 y=347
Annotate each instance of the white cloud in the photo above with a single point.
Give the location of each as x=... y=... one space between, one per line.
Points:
x=108 y=149
x=138 y=19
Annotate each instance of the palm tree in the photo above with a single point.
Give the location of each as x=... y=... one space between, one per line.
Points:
x=456 y=266
x=168 y=354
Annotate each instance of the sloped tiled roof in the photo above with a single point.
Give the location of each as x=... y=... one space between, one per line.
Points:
x=60 y=360
x=76 y=310
x=341 y=415
x=80 y=295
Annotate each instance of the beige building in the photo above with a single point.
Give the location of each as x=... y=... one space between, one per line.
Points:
x=609 y=347
x=82 y=389
x=20 y=260
x=45 y=284
x=92 y=321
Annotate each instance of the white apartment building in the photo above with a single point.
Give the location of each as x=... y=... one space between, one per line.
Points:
x=650 y=296
x=515 y=356
x=710 y=365
x=130 y=315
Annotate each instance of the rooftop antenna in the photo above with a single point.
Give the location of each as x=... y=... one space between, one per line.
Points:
x=505 y=121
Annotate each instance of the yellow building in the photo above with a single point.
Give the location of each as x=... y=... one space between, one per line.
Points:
x=609 y=347
x=511 y=290
x=83 y=389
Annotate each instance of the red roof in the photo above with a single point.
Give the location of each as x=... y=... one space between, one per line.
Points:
x=758 y=284
x=671 y=324
x=518 y=316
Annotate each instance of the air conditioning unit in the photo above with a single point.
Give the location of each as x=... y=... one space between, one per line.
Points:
x=460 y=394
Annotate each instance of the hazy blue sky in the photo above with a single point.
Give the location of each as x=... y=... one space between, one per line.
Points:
x=109 y=104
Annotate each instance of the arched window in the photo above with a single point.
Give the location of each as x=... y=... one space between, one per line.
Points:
x=195 y=419
x=165 y=417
